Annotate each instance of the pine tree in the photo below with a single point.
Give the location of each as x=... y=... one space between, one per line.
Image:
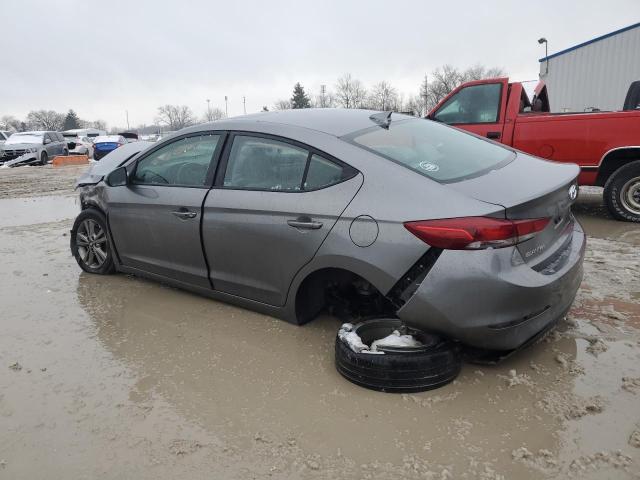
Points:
x=71 y=121
x=300 y=99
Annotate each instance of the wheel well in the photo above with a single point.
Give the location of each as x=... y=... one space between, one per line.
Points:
x=341 y=293
x=614 y=160
x=95 y=206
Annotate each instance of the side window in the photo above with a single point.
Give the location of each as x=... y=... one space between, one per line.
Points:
x=323 y=172
x=48 y=136
x=474 y=104
x=265 y=164
x=184 y=162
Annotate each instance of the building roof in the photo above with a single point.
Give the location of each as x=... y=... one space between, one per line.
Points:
x=593 y=40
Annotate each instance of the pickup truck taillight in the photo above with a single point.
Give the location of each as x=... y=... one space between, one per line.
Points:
x=475 y=233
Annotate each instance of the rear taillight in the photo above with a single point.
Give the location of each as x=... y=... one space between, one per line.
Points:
x=475 y=233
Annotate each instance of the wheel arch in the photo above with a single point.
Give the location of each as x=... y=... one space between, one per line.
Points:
x=615 y=158
x=307 y=294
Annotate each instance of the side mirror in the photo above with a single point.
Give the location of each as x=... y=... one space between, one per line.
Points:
x=46 y=141
x=118 y=178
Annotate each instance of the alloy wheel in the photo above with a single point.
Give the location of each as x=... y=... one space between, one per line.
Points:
x=91 y=241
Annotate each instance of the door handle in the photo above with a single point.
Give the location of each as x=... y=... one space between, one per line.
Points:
x=493 y=135
x=184 y=214
x=304 y=223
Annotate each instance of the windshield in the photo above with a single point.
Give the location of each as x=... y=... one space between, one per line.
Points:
x=25 y=138
x=442 y=153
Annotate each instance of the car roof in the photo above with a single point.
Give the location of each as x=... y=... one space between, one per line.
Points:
x=332 y=121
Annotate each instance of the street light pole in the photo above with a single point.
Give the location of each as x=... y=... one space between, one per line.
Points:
x=208 y=109
x=226 y=106
x=244 y=104
x=546 y=53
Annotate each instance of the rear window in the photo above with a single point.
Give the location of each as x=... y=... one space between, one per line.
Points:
x=437 y=151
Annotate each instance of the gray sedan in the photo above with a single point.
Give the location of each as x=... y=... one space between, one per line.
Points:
x=371 y=213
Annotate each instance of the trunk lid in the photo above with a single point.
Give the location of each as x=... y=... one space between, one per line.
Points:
x=531 y=188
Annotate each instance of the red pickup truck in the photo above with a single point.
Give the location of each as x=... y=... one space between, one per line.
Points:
x=605 y=145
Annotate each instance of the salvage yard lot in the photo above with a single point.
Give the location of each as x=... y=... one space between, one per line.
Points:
x=118 y=377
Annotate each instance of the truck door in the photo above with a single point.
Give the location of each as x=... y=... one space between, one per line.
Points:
x=478 y=107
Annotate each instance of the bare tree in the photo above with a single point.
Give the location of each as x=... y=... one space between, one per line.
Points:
x=350 y=92
x=9 y=122
x=325 y=99
x=383 y=97
x=282 y=104
x=446 y=78
x=45 y=120
x=213 y=114
x=175 y=117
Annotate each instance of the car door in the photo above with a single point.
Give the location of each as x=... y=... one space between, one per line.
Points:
x=155 y=218
x=274 y=203
x=476 y=107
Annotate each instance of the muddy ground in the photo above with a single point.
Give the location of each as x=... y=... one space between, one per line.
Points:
x=118 y=377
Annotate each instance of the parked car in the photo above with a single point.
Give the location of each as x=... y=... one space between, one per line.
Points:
x=102 y=145
x=293 y=212
x=606 y=145
x=29 y=148
x=84 y=132
x=130 y=136
x=78 y=145
x=4 y=135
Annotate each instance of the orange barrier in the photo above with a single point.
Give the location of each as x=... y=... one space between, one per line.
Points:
x=70 y=160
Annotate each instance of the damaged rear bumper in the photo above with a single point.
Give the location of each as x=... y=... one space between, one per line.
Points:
x=487 y=300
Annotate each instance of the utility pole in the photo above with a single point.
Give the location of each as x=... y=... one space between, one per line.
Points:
x=226 y=106
x=323 y=93
x=546 y=53
x=127 y=113
x=244 y=104
x=208 y=109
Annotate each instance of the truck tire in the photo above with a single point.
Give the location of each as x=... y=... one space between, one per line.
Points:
x=398 y=370
x=622 y=192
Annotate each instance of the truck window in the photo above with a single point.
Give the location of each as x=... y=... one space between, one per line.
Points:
x=473 y=104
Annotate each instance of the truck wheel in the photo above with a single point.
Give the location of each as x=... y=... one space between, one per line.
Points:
x=622 y=192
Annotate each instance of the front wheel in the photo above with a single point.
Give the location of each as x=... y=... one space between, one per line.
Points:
x=44 y=158
x=90 y=242
x=622 y=192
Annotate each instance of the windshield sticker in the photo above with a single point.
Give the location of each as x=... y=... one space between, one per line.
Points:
x=429 y=167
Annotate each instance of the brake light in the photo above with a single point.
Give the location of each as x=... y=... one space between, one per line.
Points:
x=475 y=233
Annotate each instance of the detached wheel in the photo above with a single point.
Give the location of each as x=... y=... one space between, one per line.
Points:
x=44 y=158
x=622 y=192
x=90 y=242
x=399 y=369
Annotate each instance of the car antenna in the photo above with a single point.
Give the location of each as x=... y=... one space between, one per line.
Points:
x=383 y=119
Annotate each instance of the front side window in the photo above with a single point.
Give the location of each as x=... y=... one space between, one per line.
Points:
x=473 y=104
x=265 y=164
x=184 y=162
x=437 y=151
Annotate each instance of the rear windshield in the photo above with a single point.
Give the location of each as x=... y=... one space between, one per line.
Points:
x=437 y=151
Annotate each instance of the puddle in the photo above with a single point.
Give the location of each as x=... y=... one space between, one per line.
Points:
x=15 y=212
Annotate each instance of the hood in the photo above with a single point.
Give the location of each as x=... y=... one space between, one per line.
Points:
x=522 y=180
x=19 y=146
x=98 y=170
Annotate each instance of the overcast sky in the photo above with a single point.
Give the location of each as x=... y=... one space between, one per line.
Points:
x=136 y=55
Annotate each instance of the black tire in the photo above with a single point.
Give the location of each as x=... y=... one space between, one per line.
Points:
x=89 y=251
x=398 y=370
x=44 y=158
x=622 y=192
x=65 y=153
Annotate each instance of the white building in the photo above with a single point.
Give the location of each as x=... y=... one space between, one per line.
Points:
x=595 y=74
